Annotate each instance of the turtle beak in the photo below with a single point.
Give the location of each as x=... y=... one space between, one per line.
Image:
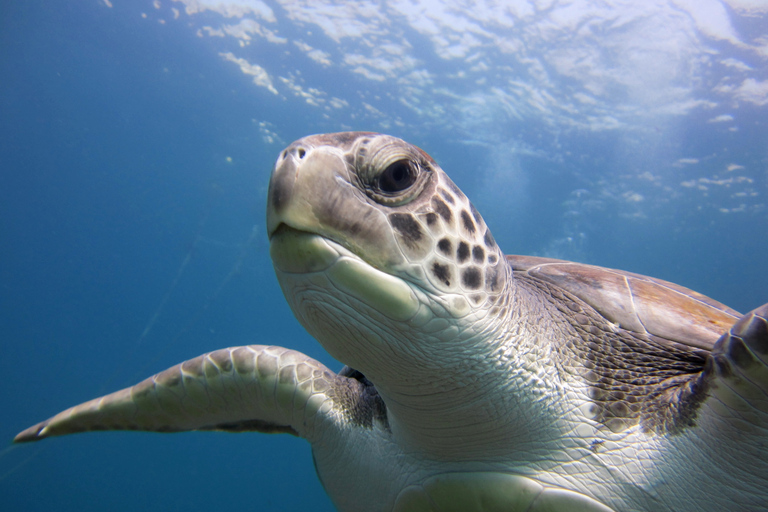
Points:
x=313 y=189
x=306 y=187
x=318 y=221
x=297 y=244
x=305 y=182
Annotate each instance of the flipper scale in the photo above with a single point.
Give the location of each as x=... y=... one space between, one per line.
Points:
x=256 y=387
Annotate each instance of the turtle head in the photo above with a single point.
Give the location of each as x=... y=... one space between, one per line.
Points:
x=381 y=257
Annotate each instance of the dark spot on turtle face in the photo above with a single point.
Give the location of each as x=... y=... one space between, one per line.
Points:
x=456 y=190
x=431 y=219
x=477 y=298
x=470 y=278
x=478 y=254
x=445 y=246
x=301 y=152
x=462 y=253
x=492 y=259
x=442 y=209
x=467 y=221
x=490 y=243
x=447 y=196
x=492 y=279
x=442 y=273
x=475 y=214
x=407 y=226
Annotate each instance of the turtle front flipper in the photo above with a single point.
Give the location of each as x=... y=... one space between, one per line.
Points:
x=737 y=372
x=253 y=388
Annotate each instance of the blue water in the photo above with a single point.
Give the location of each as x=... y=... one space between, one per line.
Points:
x=135 y=152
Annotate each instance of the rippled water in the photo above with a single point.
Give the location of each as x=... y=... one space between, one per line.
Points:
x=137 y=143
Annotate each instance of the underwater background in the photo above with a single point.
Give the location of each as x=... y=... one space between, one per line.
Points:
x=137 y=139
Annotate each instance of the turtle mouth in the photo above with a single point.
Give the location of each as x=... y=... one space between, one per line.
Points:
x=296 y=253
x=281 y=229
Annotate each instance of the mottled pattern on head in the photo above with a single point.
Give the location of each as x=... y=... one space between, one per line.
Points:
x=442 y=232
x=441 y=239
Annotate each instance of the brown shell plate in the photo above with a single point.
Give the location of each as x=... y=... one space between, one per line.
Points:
x=635 y=302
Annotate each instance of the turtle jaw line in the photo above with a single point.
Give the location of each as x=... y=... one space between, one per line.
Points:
x=297 y=255
x=284 y=227
x=285 y=231
x=296 y=251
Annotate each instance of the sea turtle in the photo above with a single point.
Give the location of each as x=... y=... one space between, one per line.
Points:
x=475 y=381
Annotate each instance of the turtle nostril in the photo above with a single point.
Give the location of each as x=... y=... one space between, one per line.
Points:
x=301 y=152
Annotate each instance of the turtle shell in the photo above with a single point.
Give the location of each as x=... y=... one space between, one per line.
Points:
x=635 y=302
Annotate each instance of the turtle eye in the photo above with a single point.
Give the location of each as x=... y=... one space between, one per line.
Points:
x=397 y=177
x=391 y=172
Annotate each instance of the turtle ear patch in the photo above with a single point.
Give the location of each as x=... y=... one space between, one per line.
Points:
x=411 y=235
